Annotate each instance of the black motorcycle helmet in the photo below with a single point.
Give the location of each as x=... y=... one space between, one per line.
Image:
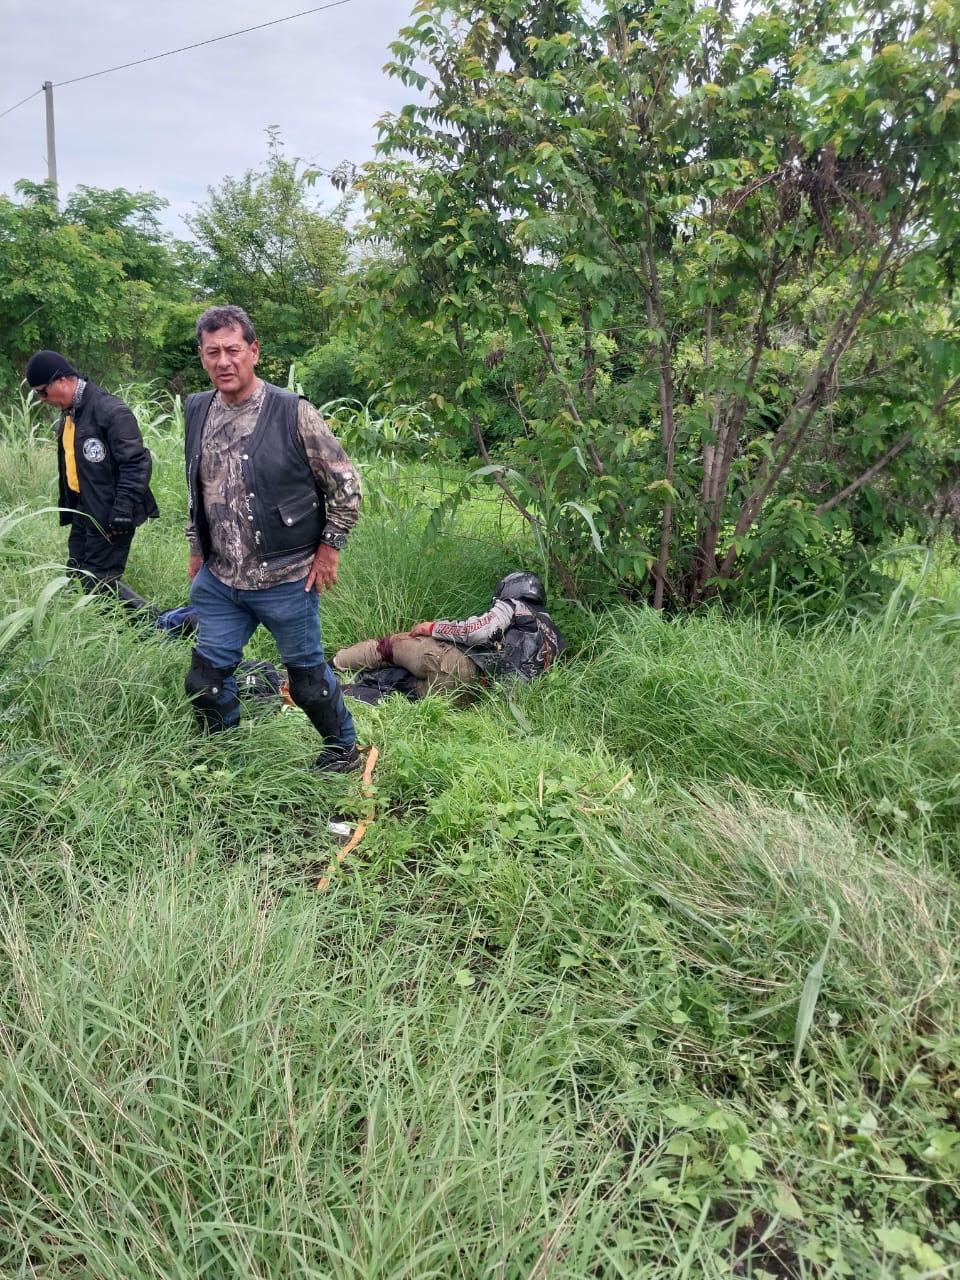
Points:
x=521 y=586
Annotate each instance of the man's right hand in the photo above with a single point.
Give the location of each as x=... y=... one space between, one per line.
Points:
x=194 y=567
x=421 y=629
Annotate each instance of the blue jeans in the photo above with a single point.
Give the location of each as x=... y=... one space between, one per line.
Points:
x=227 y=618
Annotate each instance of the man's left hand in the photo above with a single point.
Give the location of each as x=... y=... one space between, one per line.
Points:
x=421 y=629
x=323 y=571
x=119 y=522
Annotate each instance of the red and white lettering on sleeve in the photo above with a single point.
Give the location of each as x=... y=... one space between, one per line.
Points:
x=483 y=628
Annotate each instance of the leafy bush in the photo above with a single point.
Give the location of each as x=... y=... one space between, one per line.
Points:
x=98 y=280
x=330 y=372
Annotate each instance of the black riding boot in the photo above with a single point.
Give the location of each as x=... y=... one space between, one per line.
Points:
x=316 y=691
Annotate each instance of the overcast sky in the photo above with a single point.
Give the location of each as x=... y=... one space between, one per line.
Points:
x=181 y=124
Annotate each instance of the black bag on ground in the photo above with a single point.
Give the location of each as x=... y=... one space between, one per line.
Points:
x=375 y=683
x=260 y=682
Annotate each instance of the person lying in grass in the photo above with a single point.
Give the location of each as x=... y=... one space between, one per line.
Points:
x=516 y=637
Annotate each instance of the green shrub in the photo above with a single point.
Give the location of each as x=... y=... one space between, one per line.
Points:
x=331 y=372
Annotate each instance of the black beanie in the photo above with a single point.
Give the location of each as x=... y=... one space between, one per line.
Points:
x=48 y=366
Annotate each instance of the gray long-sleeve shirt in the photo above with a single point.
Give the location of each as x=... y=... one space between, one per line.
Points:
x=480 y=629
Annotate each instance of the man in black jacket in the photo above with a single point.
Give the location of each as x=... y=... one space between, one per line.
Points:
x=104 y=470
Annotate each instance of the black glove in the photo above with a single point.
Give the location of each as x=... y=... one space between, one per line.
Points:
x=121 y=521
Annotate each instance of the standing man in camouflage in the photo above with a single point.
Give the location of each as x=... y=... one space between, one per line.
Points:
x=273 y=498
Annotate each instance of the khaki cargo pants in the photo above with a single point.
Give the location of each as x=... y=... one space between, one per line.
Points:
x=437 y=667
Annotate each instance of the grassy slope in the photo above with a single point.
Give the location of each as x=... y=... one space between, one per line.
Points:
x=545 y=1023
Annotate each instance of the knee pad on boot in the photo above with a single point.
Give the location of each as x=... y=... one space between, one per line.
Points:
x=316 y=692
x=217 y=707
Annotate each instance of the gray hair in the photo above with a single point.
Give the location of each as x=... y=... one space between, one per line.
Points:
x=231 y=317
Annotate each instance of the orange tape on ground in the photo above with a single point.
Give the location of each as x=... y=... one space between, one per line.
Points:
x=323 y=884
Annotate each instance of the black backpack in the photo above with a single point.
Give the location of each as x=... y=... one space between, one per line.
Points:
x=530 y=645
x=260 y=682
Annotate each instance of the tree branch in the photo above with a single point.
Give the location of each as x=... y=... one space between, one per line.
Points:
x=871 y=472
x=794 y=426
x=656 y=315
x=564 y=574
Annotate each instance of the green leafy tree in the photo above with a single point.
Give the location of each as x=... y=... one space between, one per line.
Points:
x=333 y=371
x=269 y=249
x=711 y=254
x=99 y=280
x=129 y=222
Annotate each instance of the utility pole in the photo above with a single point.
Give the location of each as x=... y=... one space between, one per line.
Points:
x=51 y=139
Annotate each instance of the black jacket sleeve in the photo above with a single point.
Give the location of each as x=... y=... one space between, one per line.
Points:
x=130 y=457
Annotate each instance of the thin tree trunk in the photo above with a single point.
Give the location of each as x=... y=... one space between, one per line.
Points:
x=656 y=318
x=588 y=379
x=595 y=460
x=797 y=421
x=727 y=436
x=546 y=346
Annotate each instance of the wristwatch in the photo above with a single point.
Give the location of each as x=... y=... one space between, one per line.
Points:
x=331 y=538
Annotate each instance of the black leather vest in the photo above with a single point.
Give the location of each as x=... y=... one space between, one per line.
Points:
x=287 y=504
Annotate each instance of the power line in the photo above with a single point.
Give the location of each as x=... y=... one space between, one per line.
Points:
x=199 y=44
x=304 y=13
x=20 y=103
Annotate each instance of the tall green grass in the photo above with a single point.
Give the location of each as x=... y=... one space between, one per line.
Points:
x=863 y=713
x=649 y=969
